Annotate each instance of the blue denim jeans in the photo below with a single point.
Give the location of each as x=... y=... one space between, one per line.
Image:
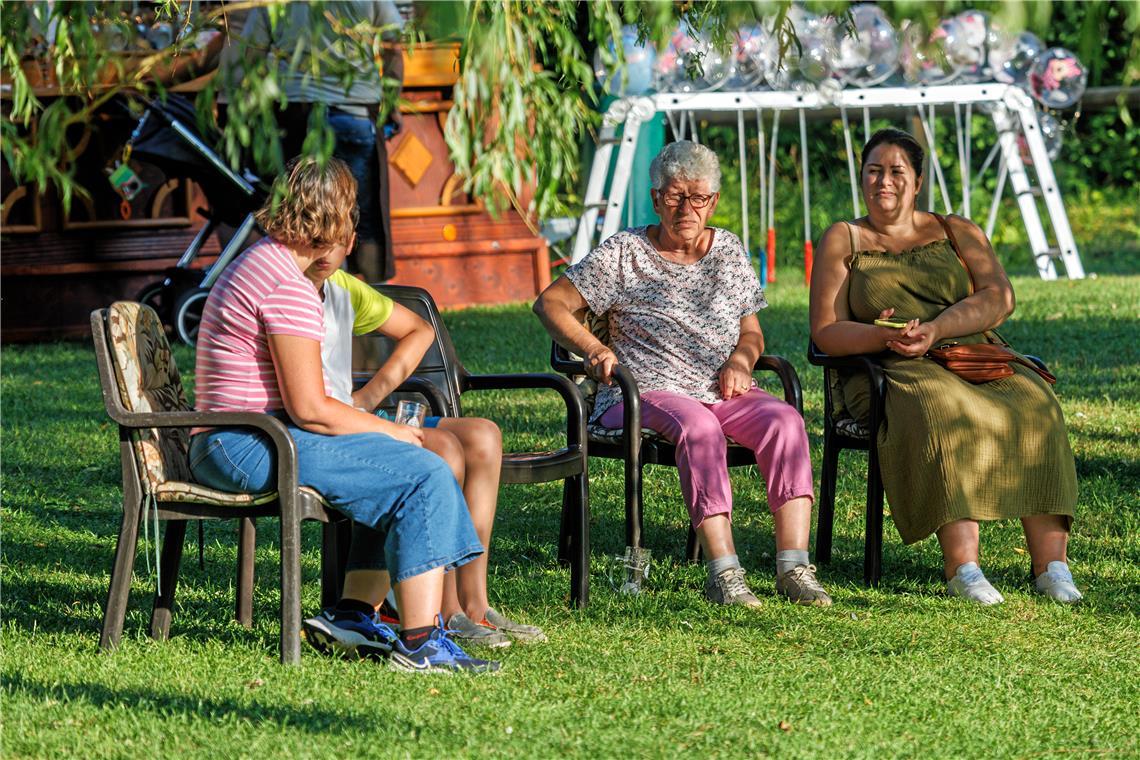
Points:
x=408 y=512
x=356 y=146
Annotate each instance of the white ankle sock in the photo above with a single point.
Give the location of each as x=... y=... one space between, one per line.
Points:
x=969 y=583
x=717 y=566
x=1057 y=583
x=789 y=559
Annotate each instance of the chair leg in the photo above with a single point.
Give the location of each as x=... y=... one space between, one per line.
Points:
x=290 y=585
x=634 y=517
x=247 y=545
x=873 y=552
x=118 y=592
x=825 y=519
x=566 y=527
x=577 y=491
x=334 y=555
x=171 y=561
x=693 y=546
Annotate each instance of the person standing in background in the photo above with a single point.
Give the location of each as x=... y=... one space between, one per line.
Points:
x=337 y=44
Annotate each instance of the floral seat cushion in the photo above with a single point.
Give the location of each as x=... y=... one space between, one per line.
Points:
x=195 y=493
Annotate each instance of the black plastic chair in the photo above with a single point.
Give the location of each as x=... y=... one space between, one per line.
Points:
x=440 y=380
x=637 y=447
x=142 y=392
x=841 y=433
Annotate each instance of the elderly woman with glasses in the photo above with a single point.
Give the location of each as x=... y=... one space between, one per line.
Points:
x=681 y=300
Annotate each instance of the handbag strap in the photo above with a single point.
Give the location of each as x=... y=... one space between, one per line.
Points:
x=957 y=251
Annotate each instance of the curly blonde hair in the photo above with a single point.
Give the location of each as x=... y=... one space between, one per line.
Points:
x=313 y=204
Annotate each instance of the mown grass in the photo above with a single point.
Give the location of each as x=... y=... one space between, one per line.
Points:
x=896 y=671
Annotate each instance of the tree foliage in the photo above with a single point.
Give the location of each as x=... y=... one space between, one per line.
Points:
x=524 y=102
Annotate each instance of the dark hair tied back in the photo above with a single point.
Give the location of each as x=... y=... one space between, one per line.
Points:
x=914 y=152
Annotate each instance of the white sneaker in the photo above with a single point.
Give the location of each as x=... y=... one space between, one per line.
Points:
x=969 y=583
x=1057 y=583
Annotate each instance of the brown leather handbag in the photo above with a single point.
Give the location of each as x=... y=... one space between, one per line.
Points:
x=980 y=362
x=983 y=362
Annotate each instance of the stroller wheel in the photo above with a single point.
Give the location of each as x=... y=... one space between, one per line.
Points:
x=188 y=314
x=156 y=297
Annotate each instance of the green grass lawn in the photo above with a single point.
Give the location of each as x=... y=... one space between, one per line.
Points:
x=897 y=671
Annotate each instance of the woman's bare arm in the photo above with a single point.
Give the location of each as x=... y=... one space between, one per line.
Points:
x=413 y=337
x=297 y=362
x=561 y=308
x=991 y=302
x=735 y=376
x=833 y=327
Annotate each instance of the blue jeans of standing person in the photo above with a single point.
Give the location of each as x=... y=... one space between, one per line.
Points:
x=407 y=510
x=356 y=146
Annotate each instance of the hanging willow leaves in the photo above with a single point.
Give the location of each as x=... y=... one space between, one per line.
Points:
x=524 y=103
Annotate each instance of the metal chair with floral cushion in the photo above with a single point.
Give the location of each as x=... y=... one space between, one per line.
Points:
x=142 y=392
x=637 y=445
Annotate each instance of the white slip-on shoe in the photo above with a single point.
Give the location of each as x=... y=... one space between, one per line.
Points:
x=1057 y=583
x=969 y=583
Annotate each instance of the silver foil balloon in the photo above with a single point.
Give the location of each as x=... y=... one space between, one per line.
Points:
x=1057 y=78
x=638 y=70
x=1011 y=54
x=872 y=54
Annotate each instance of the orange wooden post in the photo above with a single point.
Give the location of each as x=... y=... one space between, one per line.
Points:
x=771 y=254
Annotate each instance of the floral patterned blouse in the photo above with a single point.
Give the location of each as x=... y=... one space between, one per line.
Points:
x=672 y=325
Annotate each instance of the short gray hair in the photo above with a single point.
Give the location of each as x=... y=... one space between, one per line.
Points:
x=685 y=160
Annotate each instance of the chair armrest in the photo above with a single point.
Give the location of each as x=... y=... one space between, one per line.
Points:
x=435 y=398
x=575 y=404
x=789 y=378
x=865 y=363
x=429 y=390
x=562 y=361
x=274 y=428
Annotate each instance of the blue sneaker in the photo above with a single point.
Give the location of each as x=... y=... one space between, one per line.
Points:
x=353 y=635
x=439 y=654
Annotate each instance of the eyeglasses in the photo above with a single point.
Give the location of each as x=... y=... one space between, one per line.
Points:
x=676 y=200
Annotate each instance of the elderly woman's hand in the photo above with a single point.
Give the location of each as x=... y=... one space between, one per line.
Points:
x=734 y=378
x=600 y=364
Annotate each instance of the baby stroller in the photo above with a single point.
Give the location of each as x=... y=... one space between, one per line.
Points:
x=166 y=135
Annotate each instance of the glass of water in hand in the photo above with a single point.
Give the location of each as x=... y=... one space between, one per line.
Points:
x=411 y=413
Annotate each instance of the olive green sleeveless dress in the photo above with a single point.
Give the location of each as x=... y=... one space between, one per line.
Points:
x=949 y=449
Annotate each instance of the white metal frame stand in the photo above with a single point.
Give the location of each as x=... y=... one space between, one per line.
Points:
x=1010 y=108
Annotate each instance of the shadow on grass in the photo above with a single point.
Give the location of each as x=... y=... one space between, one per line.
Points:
x=192 y=707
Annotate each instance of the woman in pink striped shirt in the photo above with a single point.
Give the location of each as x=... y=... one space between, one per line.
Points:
x=259 y=350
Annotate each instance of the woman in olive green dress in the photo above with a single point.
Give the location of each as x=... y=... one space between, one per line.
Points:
x=952 y=453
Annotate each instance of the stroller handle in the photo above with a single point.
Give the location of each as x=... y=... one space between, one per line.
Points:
x=195 y=142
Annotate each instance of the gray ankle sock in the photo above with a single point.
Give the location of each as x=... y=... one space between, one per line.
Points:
x=790 y=559
x=720 y=564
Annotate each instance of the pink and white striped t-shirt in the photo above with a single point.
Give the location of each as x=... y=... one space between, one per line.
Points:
x=262 y=293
